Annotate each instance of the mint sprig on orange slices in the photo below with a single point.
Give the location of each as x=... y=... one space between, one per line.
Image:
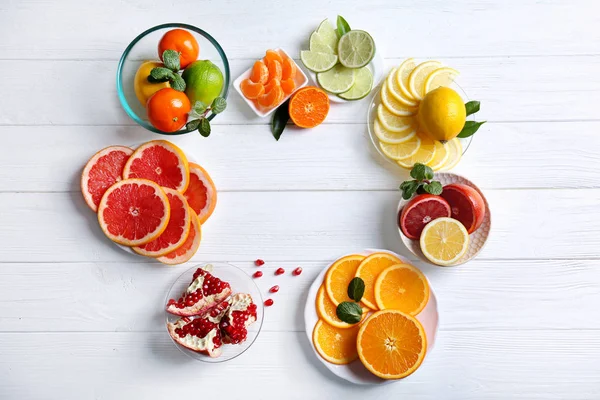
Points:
x=422 y=182
x=348 y=311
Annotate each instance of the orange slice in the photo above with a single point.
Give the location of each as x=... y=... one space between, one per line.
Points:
x=309 y=107
x=402 y=287
x=327 y=311
x=338 y=278
x=391 y=344
x=369 y=269
x=338 y=346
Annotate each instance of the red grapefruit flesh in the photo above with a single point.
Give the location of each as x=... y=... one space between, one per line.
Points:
x=159 y=161
x=466 y=205
x=201 y=193
x=420 y=211
x=187 y=250
x=103 y=170
x=134 y=212
x=177 y=230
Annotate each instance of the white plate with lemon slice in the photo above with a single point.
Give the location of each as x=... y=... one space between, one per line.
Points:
x=326 y=71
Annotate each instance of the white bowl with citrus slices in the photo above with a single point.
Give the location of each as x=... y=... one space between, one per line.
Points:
x=397 y=327
x=150 y=200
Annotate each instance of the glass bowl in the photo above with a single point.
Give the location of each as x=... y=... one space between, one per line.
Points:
x=145 y=48
x=240 y=283
x=372 y=114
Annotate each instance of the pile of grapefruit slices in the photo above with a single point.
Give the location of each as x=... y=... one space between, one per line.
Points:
x=150 y=199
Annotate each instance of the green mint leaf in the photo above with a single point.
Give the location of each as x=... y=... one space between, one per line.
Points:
x=280 y=120
x=356 y=289
x=160 y=74
x=342 y=26
x=472 y=107
x=218 y=105
x=204 y=127
x=192 y=125
x=420 y=189
x=171 y=60
x=433 y=188
x=349 y=312
x=177 y=82
x=409 y=188
x=421 y=172
x=470 y=128
x=199 y=108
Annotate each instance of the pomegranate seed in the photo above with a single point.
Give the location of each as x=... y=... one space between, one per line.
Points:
x=268 y=302
x=259 y=262
x=257 y=274
x=279 y=271
x=297 y=271
x=274 y=289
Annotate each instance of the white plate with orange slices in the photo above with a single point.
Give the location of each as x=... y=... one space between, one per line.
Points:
x=398 y=326
x=150 y=199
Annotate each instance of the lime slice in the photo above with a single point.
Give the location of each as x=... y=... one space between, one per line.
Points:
x=356 y=49
x=363 y=83
x=327 y=32
x=316 y=39
x=318 y=62
x=339 y=79
x=319 y=47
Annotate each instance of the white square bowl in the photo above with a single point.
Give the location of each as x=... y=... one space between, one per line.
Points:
x=300 y=79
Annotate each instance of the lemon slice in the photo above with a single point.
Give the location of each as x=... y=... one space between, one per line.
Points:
x=444 y=241
x=440 y=77
x=393 y=122
x=455 y=151
x=393 y=137
x=416 y=80
x=401 y=150
x=402 y=74
x=396 y=90
x=423 y=155
x=440 y=157
x=394 y=105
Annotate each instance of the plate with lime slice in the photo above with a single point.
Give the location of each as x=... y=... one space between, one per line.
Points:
x=342 y=61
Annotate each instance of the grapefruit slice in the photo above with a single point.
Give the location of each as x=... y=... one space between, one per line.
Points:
x=187 y=250
x=134 y=212
x=102 y=171
x=420 y=211
x=201 y=193
x=161 y=162
x=176 y=232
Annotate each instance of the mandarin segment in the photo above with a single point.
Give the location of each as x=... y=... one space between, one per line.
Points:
x=260 y=73
x=402 y=287
x=272 y=55
x=369 y=269
x=273 y=97
x=251 y=90
x=288 y=69
x=309 y=107
x=275 y=71
x=288 y=86
x=338 y=346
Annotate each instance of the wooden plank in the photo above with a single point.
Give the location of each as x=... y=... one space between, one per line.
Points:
x=531 y=224
x=471 y=28
x=502 y=156
x=510 y=89
x=464 y=365
x=124 y=297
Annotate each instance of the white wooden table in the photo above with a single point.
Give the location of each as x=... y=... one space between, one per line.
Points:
x=81 y=319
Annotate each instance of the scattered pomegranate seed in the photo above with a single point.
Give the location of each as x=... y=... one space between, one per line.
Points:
x=297 y=271
x=274 y=289
x=279 y=271
x=257 y=274
x=268 y=302
x=259 y=262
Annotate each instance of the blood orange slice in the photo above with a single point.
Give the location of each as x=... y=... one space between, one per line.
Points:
x=420 y=211
x=133 y=212
x=176 y=232
x=101 y=172
x=201 y=193
x=466 y=204
x=161 y=162
x=187 y=250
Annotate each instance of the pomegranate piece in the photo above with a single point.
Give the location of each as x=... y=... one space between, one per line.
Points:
x=201 y=334
x=268 y=302
x=279 y=271
x=297 y=271
x=237 y=318
x=257 y=274
x=204 y=293
x=274 y=289
x=259 y=262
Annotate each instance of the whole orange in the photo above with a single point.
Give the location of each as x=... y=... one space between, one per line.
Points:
x=168 y=110
x=182 y=42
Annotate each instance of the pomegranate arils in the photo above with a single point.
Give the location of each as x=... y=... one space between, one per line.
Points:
x=259 y=262
x=274 y=289
x=279 y=271
x=236 y=320
x=268 y=302
x=297 y=271
x=257 y=274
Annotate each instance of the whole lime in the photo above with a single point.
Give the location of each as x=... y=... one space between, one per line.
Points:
x=203 y=80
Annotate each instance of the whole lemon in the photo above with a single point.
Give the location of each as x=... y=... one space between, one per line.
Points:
x=144 y=89
x=442 y=114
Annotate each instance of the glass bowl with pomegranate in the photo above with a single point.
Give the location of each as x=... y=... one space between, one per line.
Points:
x=214 y=312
